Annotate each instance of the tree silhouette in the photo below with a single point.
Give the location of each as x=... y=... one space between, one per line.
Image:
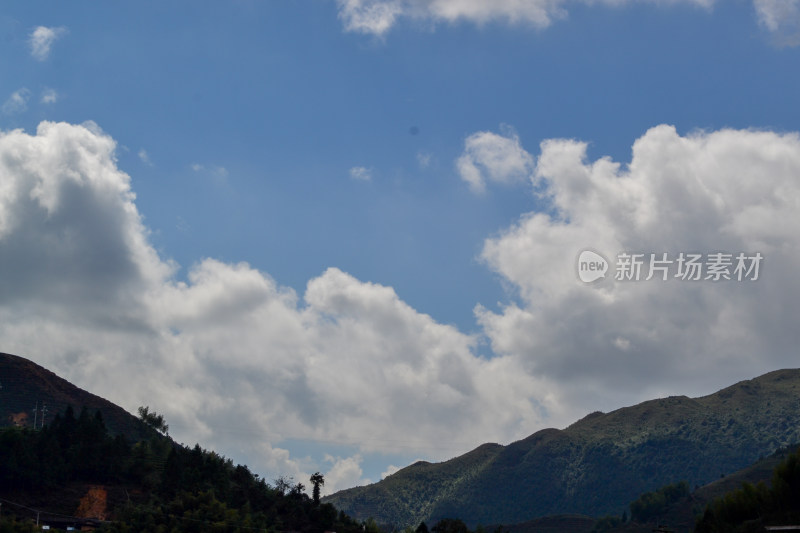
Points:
x=450 y=525
x=317 y=480
x=154 y=420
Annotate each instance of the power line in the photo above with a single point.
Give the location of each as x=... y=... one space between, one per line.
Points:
x=48 y=513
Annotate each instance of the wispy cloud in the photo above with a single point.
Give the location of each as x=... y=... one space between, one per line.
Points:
x=181 y=224
x=781 y=18
x=373 y=17
x=424 y=159
x=144 y=157
x=361 y=173
x=49 y=96
x=377 y=17
x=17 y=102
x=217 y=173
x=42 y=39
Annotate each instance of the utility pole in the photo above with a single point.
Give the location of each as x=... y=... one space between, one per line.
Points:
x=44 y=413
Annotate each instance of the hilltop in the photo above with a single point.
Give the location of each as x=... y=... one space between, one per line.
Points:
x=596 y=466
x=27 y=386
x=93 y=464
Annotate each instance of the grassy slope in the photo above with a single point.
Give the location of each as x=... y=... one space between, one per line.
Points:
x=597 y=465
x=680 y=517
x=411 y=497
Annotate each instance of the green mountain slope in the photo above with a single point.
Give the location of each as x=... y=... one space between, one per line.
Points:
x=597 y=465
x=679 y=516
x=682 y=515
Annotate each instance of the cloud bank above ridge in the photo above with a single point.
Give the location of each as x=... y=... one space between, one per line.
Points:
x=230 y=353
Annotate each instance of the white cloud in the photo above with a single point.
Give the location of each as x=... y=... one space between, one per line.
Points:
x=68 y=226
x=17 y=102
x=343 y=473
x=735 y=191
x=781 y=18
x=361 y=173
x=49 y=96
x=369 y=16
x=493 y=157
x=391 y=469
x=144 y=157
x=42 y=39
x=218 y=174
x=424 y=159
x=377 y=17
x=231 y=358
x=243 y=365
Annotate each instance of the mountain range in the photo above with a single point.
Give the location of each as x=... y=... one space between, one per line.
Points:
x=553 y=480
x=596 y=466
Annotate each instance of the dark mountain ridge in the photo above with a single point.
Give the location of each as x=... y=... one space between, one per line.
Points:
x=597 y=465
x=93 y=470
x=27 y=386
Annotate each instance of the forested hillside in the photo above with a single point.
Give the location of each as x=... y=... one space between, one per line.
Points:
x=71 y=468
x=596 y=466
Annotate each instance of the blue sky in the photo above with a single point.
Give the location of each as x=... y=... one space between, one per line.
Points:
x=297 y=137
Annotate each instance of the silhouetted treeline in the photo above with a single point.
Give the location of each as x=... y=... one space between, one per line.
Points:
x=752 y=507
x=67 y=449
x=445 y=525
x=184 y=489
x=11 y=525
x=652 y=505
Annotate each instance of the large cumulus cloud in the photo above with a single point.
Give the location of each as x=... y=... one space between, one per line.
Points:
x=233 y=359
x=244 y=365
x=726 y=191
